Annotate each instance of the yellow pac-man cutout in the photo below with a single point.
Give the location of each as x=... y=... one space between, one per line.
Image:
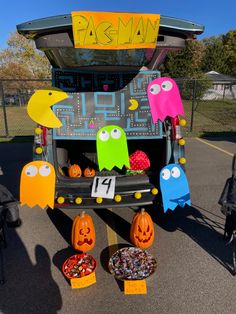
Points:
x=134 y=104
x=39 y=106
x=37 y=184
x=109 y=30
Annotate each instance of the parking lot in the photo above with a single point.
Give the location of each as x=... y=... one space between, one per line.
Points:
x=194 y=265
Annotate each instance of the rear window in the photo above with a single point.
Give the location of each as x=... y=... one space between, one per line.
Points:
x=88 y=57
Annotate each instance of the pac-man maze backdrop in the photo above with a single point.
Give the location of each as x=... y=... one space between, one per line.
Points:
x=99 y=99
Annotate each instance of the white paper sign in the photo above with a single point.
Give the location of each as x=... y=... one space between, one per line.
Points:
x=104 y=187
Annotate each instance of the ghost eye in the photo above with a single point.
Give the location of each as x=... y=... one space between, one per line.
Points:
x=175 y=172
x=166 y=86
x=115 y=133
x=165 y=174
x=31 y=171
x=104 y=136
x=44 y=170
x=155 y=89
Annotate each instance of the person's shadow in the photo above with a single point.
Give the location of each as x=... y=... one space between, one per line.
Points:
x=63 y=224
x=13 y=157
x=28 y=287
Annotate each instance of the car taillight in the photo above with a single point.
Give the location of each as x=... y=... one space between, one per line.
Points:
x=176 y=129
x=44 y=136
x=40 y=137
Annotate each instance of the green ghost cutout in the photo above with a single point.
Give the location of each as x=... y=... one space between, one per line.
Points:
x=112 y=148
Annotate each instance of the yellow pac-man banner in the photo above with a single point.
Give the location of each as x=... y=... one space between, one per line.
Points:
x=109 y=30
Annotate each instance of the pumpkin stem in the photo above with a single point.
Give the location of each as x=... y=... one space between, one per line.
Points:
x=142 y=210
x=82 y=214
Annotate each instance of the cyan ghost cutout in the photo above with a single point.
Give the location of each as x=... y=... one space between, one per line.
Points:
x=174 y=187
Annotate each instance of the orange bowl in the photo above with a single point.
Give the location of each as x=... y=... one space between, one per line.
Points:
x=78 y=266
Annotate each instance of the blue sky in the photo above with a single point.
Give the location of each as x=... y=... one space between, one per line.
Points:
x=218 y=17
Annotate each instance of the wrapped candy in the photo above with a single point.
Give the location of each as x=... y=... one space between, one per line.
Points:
x=78 y=266
x=132 y=264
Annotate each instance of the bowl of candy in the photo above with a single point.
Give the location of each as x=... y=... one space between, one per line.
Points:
x=79 y=266
x=132 y=263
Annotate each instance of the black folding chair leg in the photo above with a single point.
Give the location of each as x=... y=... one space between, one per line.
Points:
x=224 y=236
x=2 y=243
x=4 y=238
x=2 y=277
x=234 y=253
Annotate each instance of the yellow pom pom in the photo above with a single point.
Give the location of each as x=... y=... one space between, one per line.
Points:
x=78 y=200
x=181 y=142
x=182 y=160
x=60 y=200
x=137 y=195
x=99 y=200
x=117 y=198
x=182 y=122
x=154 y=191
x=38 y=131
x=39 y=150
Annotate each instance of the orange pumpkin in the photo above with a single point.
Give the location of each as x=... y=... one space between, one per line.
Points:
x=89 y=172
x=142 y=230
x=83 y=233
x=74 y=171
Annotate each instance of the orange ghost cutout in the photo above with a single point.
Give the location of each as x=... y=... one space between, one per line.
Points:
x=37 y=184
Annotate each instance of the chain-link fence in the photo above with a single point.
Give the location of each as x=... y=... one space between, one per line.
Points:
x=210 y=107
x=14 y=96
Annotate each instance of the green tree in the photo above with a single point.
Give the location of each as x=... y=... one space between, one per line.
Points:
x=21 y=59
x=229 y=42
x=215 y=58
x=184 y=63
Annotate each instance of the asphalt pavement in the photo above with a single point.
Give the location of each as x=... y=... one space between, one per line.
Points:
x=194 y=264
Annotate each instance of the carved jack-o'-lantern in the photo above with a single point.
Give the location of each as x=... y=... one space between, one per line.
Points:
x=142 y=230
x=83 y=233
x=89 y=172
x=74 y=171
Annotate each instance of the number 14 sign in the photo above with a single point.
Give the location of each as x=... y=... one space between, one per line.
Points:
x=104 y=187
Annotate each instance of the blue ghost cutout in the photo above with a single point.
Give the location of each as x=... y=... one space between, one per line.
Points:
x=174 y=187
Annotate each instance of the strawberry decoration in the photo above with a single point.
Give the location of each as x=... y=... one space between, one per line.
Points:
x=139 y=161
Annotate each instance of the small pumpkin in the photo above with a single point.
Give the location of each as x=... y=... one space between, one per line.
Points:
x=83 y=233
x=142 y=230
x=89 y=172
x=74 y=171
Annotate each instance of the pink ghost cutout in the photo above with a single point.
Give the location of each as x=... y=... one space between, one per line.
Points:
x=164 y=99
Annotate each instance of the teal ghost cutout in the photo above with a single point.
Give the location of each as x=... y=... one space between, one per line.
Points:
x=112 y=149
x=174 y=187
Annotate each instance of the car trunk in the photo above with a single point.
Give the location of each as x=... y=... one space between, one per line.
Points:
x=103 y=85
x=83 y=153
